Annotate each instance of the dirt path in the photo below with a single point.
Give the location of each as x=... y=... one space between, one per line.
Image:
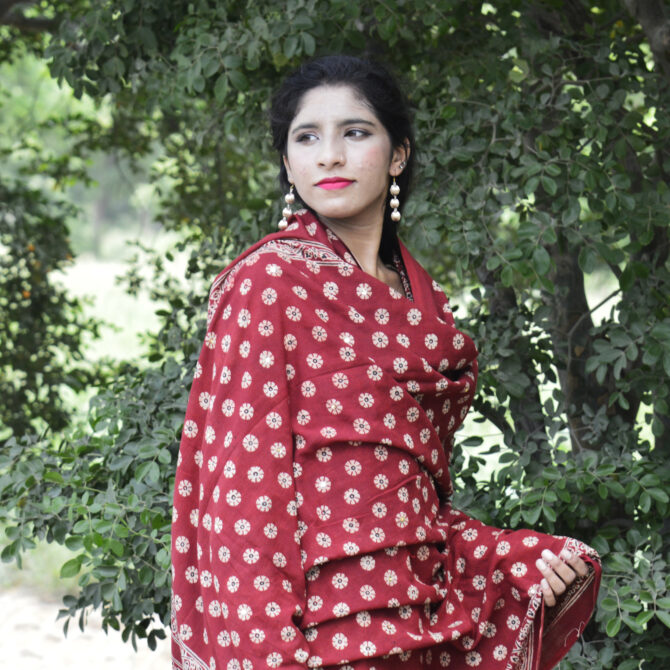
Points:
x=32 y=639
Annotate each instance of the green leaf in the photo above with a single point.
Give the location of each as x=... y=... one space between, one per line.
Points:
x=659 y=494
x=645 y=502
x=308 y=44
x=541 y=260
x=71 y=568
x=587 y=259
x=290 y=46
x=238 y=80
x=549 y=184
x=609 y=605
x=664 y=617
x=531 y=515
x=52 y=476
x=613 y=626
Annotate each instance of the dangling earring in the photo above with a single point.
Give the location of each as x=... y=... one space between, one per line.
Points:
x=394 y=202
x=289 y=199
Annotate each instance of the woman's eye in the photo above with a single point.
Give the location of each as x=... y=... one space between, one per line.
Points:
x=305 y=137
x=357 y=132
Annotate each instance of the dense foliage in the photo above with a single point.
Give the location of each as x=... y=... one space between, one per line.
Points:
x=543 y=141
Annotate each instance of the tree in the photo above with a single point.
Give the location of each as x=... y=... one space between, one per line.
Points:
x=543 y=139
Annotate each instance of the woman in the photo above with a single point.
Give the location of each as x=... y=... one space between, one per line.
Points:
x=312 y=519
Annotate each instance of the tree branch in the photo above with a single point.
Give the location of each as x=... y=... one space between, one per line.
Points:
x=651 y=16
x=11 y=15
x=495 y=416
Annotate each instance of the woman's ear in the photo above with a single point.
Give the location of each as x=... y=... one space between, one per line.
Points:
x=399 y=158
x=288 y=169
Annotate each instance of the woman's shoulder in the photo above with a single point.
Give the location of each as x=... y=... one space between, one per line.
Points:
x=267 y=264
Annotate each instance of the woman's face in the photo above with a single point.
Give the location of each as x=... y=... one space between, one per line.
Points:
x=339 y=156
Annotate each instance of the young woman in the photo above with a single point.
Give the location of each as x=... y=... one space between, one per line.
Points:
x=312 y=523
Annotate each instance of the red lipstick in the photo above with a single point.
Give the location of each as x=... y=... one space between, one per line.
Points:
x=331 y=183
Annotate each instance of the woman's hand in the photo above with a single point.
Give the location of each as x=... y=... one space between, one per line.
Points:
x=558 y=573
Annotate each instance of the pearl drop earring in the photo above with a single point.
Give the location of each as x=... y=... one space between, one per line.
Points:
x=289 y=199
x=394 y=202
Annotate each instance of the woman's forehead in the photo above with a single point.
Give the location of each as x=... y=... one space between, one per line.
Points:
x=327 y=102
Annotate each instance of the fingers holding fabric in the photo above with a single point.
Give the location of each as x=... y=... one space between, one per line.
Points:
x=552 y=585
x=558 y=573
x=577 y=564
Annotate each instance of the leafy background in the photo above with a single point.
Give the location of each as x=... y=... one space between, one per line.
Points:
x=541 y=205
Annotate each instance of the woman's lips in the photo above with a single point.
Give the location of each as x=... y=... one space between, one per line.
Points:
x=330 y=184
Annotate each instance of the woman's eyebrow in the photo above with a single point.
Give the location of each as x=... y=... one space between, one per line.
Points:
x=346 y=122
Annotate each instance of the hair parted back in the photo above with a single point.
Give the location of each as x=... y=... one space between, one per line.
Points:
x=377 y=88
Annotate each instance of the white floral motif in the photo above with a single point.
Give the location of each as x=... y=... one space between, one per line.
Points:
x=479 y=582
x=270 y=389
x=503 y=547
x=350 y=525
x=366 y=400
x=353 y=467
x=473 y=658
x=382 y=316
x=324 y=454
x=351 y=496
x=364 y=291
x=414 y=317
x=266 y=328
x=323 y=512
x=470 y=534
x=243 y=318
x=513 y=622
x=190 y=428
x=500 y=652
x=205 y=400
x=361 y=426
x=400 y=365
x=290 y=342
x=380 y=339
x=210 y=340
x=319 y=333
x=375 y=373
x=330 y=290
x=339 y=641
x=519 y=569
x=340 y=580
x=340 y=380
x=402 y=340
x=322 y=484
x=246 y=411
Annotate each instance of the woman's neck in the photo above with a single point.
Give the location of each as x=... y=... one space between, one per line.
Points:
x=363 y=241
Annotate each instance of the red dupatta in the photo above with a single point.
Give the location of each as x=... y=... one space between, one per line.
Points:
x=311 y=524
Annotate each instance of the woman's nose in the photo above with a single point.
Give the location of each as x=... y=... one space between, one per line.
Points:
x=331 y=152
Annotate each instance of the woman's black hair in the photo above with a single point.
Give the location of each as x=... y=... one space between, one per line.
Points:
x=377 y=88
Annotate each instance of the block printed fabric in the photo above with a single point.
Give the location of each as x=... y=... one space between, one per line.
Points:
x=312 y=524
